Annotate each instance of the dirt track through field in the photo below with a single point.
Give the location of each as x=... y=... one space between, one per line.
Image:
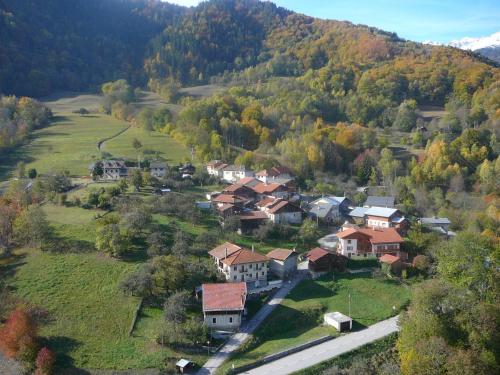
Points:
x=102 y=141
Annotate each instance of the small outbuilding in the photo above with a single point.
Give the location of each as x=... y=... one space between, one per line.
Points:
x=338 y=320
x=184 y=366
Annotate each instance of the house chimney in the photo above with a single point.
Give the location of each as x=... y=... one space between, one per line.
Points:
x=225 y=253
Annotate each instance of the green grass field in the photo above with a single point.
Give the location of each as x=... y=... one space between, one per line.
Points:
x=153 y=143
x=70 y=143
x=299 y=318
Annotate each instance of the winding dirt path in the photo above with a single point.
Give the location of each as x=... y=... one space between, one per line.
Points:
x=100 y=144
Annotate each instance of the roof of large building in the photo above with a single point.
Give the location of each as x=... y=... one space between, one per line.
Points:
x=236 y=168
x=435 y=220
x=283 y=206
x=225 y=207
x=336 y=201
x=378 y=201
x=236 y=187
x=321 y=210
x=317 y=253
x=381 y=211
x=358 y=212
x=244 y=256
x=226 y=296
x=249 y=181
x=220 y=251
x=265 y=202
x=113 y=164
x=376 y=236
x=226 y=198
x=281 y=254
x=263 y=188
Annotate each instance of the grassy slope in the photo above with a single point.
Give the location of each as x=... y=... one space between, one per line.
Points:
x=371 y=301
x=70 y=143
x=168 y=149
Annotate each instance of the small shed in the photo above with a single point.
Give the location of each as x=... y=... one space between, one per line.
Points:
x=340 y=321
x=184 y=365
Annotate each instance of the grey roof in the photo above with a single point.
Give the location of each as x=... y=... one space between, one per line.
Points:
x=358 y=212
x=377 y=201
x=435 y=220
x=321 y=210
x=183 y=363
x=330 y=200
x=158 y=164
x=338 y=317
x=113 y=164
x=381 y=211
x=233 y=167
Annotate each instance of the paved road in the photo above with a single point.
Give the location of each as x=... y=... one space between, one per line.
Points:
x=330 y=349
x=211 y=366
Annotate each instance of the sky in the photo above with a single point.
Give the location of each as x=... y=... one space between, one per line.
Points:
x=419 y=20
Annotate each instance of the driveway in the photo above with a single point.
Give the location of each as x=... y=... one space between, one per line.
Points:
x=211 y=366
x=330 y=349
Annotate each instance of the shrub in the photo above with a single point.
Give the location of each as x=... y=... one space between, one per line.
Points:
x=18 y=336
x=44 y=362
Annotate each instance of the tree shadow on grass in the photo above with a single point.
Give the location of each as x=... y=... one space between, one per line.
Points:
x=62 y=346
x=9 y=269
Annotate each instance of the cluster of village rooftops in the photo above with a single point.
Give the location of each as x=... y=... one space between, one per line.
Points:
x=374 y=230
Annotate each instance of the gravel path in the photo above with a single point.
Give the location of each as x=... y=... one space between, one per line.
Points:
x=211 y=366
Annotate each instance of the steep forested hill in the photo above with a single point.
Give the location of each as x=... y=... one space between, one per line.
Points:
x=78 y=44
x=75 y=45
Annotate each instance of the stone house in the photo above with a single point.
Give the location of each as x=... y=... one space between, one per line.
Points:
x=283 y=262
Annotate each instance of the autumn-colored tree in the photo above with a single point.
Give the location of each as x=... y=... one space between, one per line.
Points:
x=44 y=362
x=18 y=335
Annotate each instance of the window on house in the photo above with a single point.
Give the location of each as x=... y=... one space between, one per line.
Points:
x=250 y=266
x=364 y=255
x=234 y=277
x=262 y=273
x=230 y=319
x=214 y=320
x=349 y=241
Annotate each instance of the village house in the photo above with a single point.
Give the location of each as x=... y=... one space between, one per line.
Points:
x=251 y=220
x=215 y=168
x=224 y=305
x=329 y=209
x=240 y=191
x=274 y=173
x=234 y=173
x=364 y=242
x=436 y=224
x=284 y=212
x=250 y=182
x=276 y=190
x=239 y=264
x=283 y=262
x=385 y=218
x=113 y=170
x=358 y=215
x=321 y=261
x=158 y=169
x=377 y=201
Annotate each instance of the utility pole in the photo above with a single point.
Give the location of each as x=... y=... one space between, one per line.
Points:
x=349 y=305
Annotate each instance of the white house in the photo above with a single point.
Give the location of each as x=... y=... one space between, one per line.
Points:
x=238 y=264
x=283 y=262
x=234 y=173
x=114 y=170
x=215 y=168
x=274 y=173
x=356 y=242
x=280 y=211
x=223 y=305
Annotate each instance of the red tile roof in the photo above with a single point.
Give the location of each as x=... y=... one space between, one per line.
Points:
x=236 y=187
x=263 y=188
x=281 y=254
x=389 y=259
x=264 y=202
x=316 y=253
x=376 y=236
x=226 y=198
x=221 y=297
x=244 y=256
x=249 y=181
x=220 y=251
x=284 y=206
x=225 y=207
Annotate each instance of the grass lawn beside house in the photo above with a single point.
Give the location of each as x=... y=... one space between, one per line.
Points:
x=153 y=143
x=69 y=143
x=300 y=317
